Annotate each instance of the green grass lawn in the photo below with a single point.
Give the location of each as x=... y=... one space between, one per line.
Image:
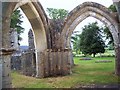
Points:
x=85 y=72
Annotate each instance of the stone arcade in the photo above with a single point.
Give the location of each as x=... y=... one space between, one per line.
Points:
x=52 y=49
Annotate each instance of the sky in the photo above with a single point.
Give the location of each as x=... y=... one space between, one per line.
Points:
x=62 y=4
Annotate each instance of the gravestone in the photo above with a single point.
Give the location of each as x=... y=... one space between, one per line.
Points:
x=85 y=59
x=103 y=61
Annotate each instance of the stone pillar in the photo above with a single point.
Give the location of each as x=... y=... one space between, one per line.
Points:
x=6 y=68
x=117 y=5
x=117 y=58
x=117 y=49
x=5 y=51
x=0 y=72
x=117 y=63
x=0 y=45
x=6 y=77
x=39 y=65
x=70 y=47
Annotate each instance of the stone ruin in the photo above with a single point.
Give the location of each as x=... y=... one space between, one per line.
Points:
x=53 y=55
x=23 y=60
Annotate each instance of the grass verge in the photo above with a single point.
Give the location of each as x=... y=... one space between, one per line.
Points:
x=85 y=72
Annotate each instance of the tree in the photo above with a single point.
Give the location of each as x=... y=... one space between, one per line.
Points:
x=57 y=13
x=91 y=41
x=75 y=40
x=16 y=22
x=112 y=8
x=108 y=35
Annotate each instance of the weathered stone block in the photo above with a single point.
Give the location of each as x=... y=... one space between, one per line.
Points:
x=27 y=67
x=16 y=63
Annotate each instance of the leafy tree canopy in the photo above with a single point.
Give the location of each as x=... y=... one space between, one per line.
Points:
x=112 y=8
x=91 y=41
x=16 y=22
x=57 y=13
x=75 y=40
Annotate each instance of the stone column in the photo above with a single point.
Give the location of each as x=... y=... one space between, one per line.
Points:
x=0 y=73
x=0 y=45
x=5 y=51
x=39 y=65
x=117 y=5
x=117 y=49
x=6 y=78
x=70 y=47
x=117 y=58
x=117 y=63
x=6 y=68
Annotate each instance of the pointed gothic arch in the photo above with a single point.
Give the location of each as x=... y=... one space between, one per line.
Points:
x=39 y=22
x=85 y=10
x=99 y=12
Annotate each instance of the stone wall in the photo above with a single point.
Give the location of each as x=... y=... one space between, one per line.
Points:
x=54 y=63
x=16 y=63
x=56 y=59
x=24 y=61
x=27 y=64
x=55 y=31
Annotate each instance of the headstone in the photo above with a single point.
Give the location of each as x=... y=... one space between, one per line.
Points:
x=103 y=61
x=85 y=59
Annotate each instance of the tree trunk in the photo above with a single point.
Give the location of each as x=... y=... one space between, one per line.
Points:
x=100 y=55
x=94 y=54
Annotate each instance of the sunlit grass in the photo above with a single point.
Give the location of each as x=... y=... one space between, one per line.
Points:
x=85 y=72
x=102 y=73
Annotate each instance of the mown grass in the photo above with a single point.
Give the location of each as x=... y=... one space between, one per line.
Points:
x=85 y=72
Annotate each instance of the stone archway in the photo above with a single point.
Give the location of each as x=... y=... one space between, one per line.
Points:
x=55 y=58
x=39 y=29
x=95 y=10
x=38 y=20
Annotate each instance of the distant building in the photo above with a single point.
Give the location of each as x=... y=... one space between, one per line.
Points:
x=24 y=58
